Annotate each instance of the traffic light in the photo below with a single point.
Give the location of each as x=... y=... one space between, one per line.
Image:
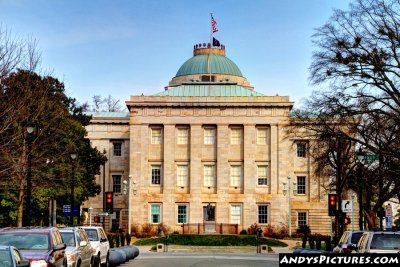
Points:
x=109 y=202
x=332 y=204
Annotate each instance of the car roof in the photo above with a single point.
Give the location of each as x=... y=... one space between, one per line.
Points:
x=26 y=229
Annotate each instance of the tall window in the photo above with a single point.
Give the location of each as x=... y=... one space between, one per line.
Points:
x=183 y=136
x=155 y=213
x=156 y=136
x=155 y=174
x=262 y=134
x=262 y=214
x=236 y=214
x=301 y=150
x=209 y=175
x=116 y=183
x=236 y=136
x=301 y=218
x=182 y=213
x=236 y=175
x=262 y=172
x=301 y=185
x=209 y=136
x=117 y=149
x=182 y=178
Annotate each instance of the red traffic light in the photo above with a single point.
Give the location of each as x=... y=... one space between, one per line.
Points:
x=332 y=204
x=109 y=197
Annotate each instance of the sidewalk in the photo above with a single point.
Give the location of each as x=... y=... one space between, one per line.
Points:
x=222 y=249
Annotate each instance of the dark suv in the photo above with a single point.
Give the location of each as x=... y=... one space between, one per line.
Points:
x=43 y=247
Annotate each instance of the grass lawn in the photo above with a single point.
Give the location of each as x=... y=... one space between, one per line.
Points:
x=211 y=240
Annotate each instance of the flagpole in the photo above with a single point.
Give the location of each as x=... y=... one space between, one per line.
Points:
x=209 y=51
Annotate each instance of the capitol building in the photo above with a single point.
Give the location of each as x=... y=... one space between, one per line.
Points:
x=208 y=153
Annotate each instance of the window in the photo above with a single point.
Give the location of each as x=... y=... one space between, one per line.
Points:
x=209 y=136
x=301 y=150
x=183 y=136
x=116 y=183
x=209 y=175
x=155 y=213
x=236 y=175
x=156 y=136
x=155 y=174
x=236 y=214
x=182 y=213
x=301 y=218
x=262 y=134
x=262 y=172
x=117 y=149
x=236 y=136
x=262 y=214
x=301 y=185
x=182 y=175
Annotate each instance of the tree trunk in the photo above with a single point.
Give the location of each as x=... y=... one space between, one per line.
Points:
x=20 y=202
x=370 y=216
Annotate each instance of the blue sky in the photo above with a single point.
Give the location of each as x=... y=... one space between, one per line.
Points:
x=130 y=47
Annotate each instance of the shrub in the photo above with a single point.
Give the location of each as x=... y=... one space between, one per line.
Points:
x=253 y=229
x=134 y=229
x=147 y=230
x=243 y=232
x=304 y=229
x=278 y=232
x=164 y=228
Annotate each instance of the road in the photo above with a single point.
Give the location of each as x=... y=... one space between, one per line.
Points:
x=202 y=260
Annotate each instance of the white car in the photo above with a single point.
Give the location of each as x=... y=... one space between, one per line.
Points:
x=98 y=240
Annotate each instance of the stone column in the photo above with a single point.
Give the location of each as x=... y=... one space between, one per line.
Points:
x=196 y=174
x=169 y=177
x=223 y=174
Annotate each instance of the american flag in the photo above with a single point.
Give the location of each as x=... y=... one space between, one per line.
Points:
x=213 y=24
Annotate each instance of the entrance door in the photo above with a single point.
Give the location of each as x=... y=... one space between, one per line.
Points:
x=209 y=213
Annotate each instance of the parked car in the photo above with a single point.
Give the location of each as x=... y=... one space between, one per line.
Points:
x=43 y=247
x=348 y=240
x=378 y=242
x=11 y=257
x=79 y=251
x=98 y=240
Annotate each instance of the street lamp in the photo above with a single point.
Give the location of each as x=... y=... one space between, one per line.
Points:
x=73 y=157
x=127 y=188
x=360 y=157
x=287 y=188
x=90 y=216
x=30 y=128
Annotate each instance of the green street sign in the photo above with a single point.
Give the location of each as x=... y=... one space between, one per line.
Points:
x=368 y=158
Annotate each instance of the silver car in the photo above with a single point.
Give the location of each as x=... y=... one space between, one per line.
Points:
x=79 y=252
x=379 y=242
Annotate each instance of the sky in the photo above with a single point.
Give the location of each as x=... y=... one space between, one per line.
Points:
x=133 y=47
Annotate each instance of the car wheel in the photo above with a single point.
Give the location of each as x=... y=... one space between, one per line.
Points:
x=107 y=263
x=95 y=262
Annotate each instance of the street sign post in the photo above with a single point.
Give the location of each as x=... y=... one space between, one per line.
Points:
x=389 y=216
x=103 y=214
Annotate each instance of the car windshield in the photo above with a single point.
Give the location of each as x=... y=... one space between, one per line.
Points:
x=355 y=237
x=68 y=238
x=386 y=241
x=25 y=241
x=5 y=258
x=92 y=234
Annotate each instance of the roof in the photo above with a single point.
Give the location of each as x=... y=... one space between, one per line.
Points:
x=209 y=90
x=218 y=64
x=105 y=114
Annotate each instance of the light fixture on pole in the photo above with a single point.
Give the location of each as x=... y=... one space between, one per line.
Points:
x=73 y=158
x=30 y=128
x=90 y=215
x=287 y=188
x=361 y=158
x=127 y=188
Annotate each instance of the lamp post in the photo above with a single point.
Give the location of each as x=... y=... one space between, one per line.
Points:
x=360 y=157
x=288 y=188
x=30 y=128
x=73 y=157
x=127 y=188
x=90 y=216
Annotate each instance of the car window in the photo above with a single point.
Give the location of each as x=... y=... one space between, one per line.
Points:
x=17 y=256
x=83 y=236
x=68 y=238
x=102 y=234
x=92 y=234
x=57 y=239
x=355 y=237
x=27 y=241
x=344 y=238
x=361 y=242
x=383 y=241
x=5 y=258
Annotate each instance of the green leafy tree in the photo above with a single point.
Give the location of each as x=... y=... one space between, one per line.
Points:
x=59 y=129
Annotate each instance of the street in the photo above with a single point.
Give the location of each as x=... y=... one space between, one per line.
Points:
x=202 y=260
